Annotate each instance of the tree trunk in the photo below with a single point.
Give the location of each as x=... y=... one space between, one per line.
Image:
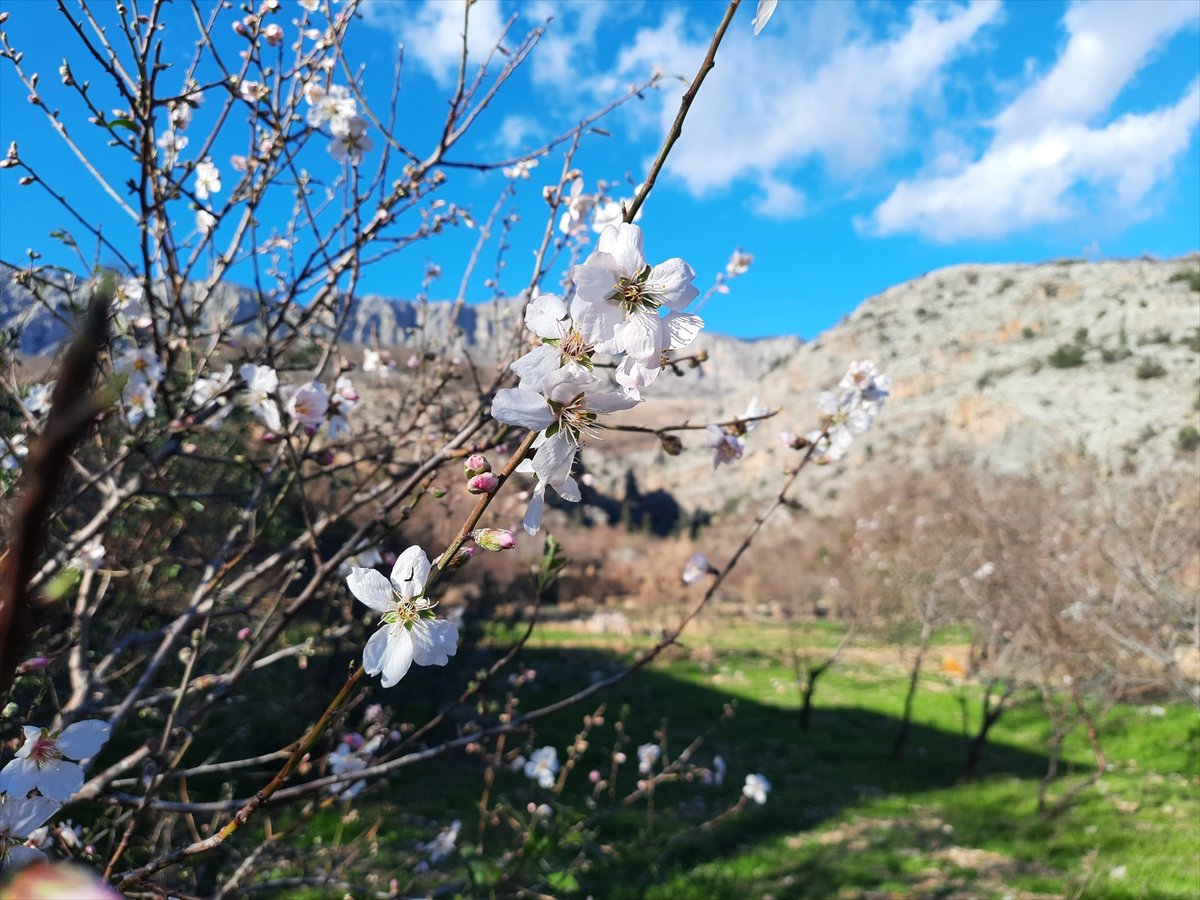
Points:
x=909 y=699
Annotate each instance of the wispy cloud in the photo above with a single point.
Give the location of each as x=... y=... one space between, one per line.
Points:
x=1049 y=159
x=431 y=32
x=769 y=108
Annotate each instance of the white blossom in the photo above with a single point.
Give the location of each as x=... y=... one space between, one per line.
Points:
x=208 y=179
x=726 y=447
x=757 y=788
x=543 y=766
x=308 y=403
x=739 y=263
x=43 y=761
x=521 y=170
x=409 y=632
x=211 y=389
x=648 y=755
x=205 y=221
x=618 y=297
x=262 y=383
x=329 y=106
x=139 y=403
x=695 y=569
x=19 y=818
x=443 y=843
x=141 y=366
x=350 y=140
x=37 y=401
x=90 y=556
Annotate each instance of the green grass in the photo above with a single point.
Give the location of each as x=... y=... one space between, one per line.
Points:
x=841 y=820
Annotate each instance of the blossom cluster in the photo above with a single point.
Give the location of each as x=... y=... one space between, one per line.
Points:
x=45 y=764
x=618 y=305
x=336 y=108
x=310 y=405
x=848 y=411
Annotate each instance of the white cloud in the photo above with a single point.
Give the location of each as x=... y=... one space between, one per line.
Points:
x=770 y=104
x=570 y=34
x=517 y=132
x=432 y=32
x=1046 y=163
x=779 y=200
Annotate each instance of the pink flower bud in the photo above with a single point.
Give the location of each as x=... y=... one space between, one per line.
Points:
x=310 y=430
x=36 y=664
x=270 y=438
x=477 y=464
x=494 y=539
x=325 y=457
x=273 y=35
x=240 y=28
x=353 y=740
x=594 y=776
x=243 y=634
x=485 y=483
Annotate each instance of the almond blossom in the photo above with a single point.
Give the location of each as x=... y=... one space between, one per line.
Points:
x=138 y=401
x=262 y=383
x=211 y=388
x=566 y=408
x=618 y=297
x=648 y=755
x=543 y=766
x=20 y=817
x=308 y=403
x=44 y=760
x=140 y=365
x=409 y=632
x=547 y=316
x=756 y=788
x=726 y=447
x=208 y=179
x=350 y=140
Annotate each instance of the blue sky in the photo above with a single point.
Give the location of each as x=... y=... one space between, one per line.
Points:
x=848 y=147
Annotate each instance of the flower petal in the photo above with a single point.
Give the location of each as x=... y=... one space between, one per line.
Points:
x=410 y=572
x=533 y=513
x=522 y=407
x=83 y=740
x=18 y=778
x=20 y=815
x=544 y=315
x=434 y=642
x=370 y=587
x=58 y=779
x=375 y=652
x=624 y=243
x=554 y=459
x=399 y=656
x=671 y=281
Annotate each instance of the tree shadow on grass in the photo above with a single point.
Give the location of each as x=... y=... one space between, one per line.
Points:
x=840 y=761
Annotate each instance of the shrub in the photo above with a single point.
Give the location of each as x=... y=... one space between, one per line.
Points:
x=1150 y=368
x=1188 y=438
x=1190 y=276
x=1067 y=356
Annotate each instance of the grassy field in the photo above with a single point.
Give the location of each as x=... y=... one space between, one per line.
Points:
x=841 y=821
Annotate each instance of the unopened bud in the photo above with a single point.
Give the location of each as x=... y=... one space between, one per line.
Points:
x=672 y=445
x=477 y=464
x=36 y=664
x=240 y=28
x=494 y=539
x=270 y=438
x=484 y=483
x=243 y=634
x=325 y=457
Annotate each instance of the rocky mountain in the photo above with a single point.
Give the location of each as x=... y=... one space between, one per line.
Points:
x=1036 y=369
x=1020 y=368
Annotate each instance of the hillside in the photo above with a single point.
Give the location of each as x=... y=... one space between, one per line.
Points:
x=1020 y=368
